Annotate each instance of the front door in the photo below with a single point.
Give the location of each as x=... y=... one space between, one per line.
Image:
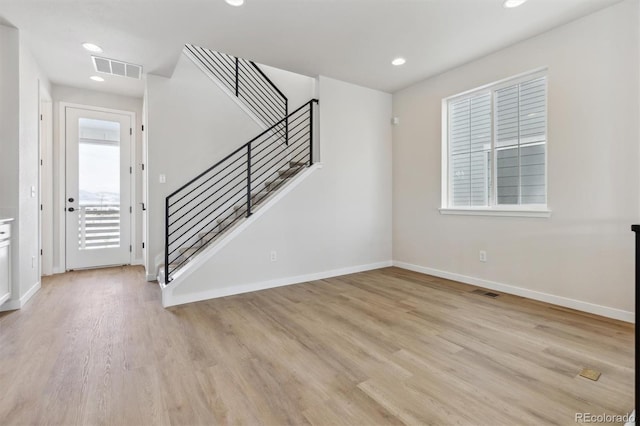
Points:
x=98 y=188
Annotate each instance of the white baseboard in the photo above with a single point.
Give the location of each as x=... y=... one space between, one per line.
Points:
x=137 y=262
x=566 y=302
x=150 y=277
x=29 y=294
x=58 y=270
x=12 y=305
x=170 y=299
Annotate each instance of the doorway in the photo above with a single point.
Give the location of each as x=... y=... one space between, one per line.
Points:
x=98 y=188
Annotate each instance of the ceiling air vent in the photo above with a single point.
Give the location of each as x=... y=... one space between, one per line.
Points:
x=113 y=67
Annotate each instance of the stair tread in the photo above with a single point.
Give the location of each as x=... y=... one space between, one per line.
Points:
x=290 y=170
x=227 y=219
x=210 y=236
x=190 y=251
x=261 y=195
x=194 y=248
x=273 y=179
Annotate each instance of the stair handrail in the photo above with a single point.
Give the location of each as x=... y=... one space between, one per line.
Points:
x=301 y=147
x=264 y=107
x=268 y=80
x=270 y=129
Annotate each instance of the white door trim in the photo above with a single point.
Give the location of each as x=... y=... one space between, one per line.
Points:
x=45 y=190
x=62 y=167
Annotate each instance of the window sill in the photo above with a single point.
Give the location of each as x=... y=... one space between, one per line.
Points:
x=497 y=212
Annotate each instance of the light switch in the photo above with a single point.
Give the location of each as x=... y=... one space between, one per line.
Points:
x=33 y=192
x=163 y=179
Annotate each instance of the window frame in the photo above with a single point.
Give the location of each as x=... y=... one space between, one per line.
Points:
x=493 y=209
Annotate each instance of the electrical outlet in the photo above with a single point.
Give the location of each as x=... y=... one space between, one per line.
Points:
x=274 y=256
x=162 y=179
x=33 y=262
x=483 y=256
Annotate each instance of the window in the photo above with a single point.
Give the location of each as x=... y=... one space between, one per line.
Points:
x=494 y=148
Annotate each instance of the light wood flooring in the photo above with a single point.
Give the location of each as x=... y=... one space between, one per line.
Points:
x=380 y=347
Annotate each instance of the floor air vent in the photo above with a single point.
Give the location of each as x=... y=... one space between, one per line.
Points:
x=113 y=67
x=485 y=293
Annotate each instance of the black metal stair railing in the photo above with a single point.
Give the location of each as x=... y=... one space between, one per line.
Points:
x=636 y=230
x=201 y=210
x=248 y=82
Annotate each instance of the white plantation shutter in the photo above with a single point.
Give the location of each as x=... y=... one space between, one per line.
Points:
x=469 y=150
x=496 y=144
x=521 y=125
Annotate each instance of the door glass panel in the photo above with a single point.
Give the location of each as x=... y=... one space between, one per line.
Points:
x=99 y=184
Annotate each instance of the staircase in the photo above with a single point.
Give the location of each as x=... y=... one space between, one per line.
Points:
x=202 y=211
x=244 y=80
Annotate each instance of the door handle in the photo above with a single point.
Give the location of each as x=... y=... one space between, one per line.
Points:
x=71 y=200
x=71 y=209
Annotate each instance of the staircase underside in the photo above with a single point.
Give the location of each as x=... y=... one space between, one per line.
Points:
x=236 y=215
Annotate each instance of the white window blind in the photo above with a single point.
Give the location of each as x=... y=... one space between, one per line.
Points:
x=521 y=125
x=496 y=145
x=470 y=147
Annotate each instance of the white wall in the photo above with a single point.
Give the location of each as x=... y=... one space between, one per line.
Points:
x=31 y=77
x=10 y=139
x=297 y=88
x=104 y=100
x=192 y=124
x=20 y=84
x=9 y=121
x=584 y=252
x=339 y=218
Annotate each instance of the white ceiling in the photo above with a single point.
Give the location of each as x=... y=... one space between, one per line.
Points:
x=351 y=40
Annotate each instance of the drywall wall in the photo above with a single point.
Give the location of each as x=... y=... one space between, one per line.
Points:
x=9 y=121
x=31 y=79
x=337 y=220
x=92 y=98
x=21 y=81
x=297 y=88
x=192 y=124
x=10 y=139
x=583 y=255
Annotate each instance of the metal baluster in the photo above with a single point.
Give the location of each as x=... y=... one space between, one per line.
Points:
x=237 y=80
x=310 y=133
x=248 y=179
x=166 y=243
x=286 y=123
x=636 y=229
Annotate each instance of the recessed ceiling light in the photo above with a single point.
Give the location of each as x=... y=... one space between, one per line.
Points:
x=92 y=47
x=509 y=4
x=398 y=61
x=96 y=78
x=235 y=2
